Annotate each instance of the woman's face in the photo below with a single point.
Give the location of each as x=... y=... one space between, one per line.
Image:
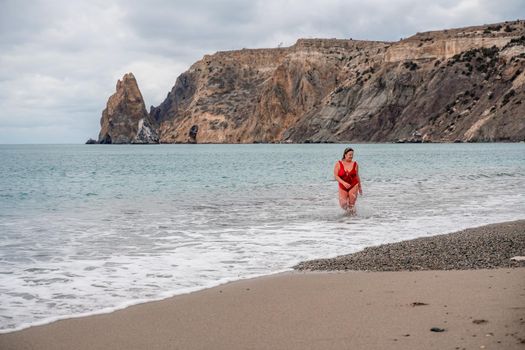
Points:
x=349 y=156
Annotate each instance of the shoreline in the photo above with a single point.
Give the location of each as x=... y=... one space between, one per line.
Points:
x=55 y=334
x=301 y=266
x=482 y=247
x=136 y=302
x=311 y=310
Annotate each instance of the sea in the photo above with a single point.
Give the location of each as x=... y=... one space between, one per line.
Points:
x=88 y=229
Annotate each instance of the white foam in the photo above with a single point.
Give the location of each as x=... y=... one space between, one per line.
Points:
x=124 y=305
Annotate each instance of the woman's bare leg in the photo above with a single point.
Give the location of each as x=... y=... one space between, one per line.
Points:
x=343 y=199
x=352 y=197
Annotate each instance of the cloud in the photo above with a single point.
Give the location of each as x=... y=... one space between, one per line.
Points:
x=60 y=60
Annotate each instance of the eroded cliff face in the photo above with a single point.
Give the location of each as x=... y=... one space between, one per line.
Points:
x=473 y=95
x=462 y=84
x=214 y=100
x=125 y=119
x=255 y=95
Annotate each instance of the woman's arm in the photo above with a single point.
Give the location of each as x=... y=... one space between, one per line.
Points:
x=337 y=178
x=358 y=179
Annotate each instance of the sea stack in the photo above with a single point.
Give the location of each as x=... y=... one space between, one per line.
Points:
x=125 y=119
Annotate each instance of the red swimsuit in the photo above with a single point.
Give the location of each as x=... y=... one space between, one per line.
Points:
x=348 y=176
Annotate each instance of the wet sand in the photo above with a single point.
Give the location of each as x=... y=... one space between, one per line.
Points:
x=475 y=309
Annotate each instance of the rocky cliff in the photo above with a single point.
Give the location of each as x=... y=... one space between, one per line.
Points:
x=125 y=119
x=462 y=84
x=255 y=95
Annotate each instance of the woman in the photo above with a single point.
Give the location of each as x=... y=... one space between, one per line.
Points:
x=346 y=172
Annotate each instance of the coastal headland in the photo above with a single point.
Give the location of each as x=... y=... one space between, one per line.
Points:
x=452 y=85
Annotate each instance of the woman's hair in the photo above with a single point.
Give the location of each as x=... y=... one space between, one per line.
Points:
x=346 y=151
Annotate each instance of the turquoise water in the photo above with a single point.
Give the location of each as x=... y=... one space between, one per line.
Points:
x=92 y=228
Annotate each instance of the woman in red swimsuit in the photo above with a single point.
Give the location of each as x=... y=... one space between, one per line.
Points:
x=346 y=173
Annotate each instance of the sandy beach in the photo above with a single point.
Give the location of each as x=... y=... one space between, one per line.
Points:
x=472 y=308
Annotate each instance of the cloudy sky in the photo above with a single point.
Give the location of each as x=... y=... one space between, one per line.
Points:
x=60 y=59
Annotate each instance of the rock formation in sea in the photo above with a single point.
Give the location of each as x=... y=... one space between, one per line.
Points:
x=125 y=119
x=457 y=85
